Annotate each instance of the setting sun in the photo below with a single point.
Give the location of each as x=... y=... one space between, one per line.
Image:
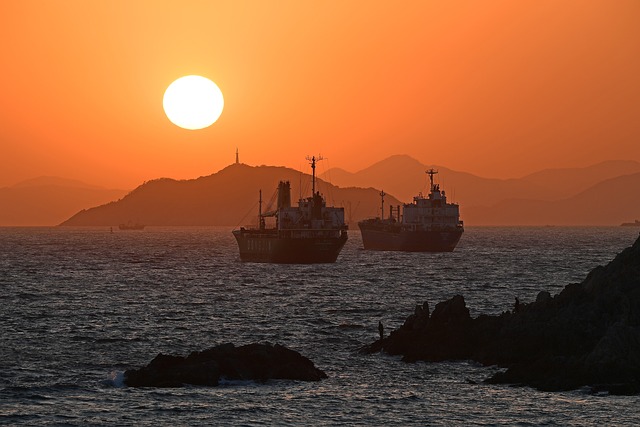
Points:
x=320 y=212
x=193 y=102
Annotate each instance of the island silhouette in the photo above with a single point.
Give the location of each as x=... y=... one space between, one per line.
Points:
x=226 y=198
x=600 y=194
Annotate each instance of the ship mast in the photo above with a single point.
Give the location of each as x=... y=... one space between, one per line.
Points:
x=313 y=161
x=260 y=217
x=382 y=194
x=431 y=172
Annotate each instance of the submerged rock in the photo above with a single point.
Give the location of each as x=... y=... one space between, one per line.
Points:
x=588 y=335
x=258 y=362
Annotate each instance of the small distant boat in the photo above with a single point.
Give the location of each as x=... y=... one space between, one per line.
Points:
x=131 y=226
x=636 y=223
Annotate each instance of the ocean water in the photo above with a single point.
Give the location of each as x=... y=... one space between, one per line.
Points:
x=81 y=305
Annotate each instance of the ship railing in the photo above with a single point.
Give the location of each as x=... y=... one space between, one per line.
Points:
x=307 y=233
x=438 y=226
x=255 y=231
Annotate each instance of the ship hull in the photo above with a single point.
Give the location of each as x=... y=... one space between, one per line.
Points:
x=386 y=239
x=271 y=248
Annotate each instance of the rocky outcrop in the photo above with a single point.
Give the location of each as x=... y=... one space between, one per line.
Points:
x=588 y=335
x=258 y=362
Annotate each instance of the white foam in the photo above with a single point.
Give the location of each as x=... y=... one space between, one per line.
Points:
x=227 y=382
x=116 y=378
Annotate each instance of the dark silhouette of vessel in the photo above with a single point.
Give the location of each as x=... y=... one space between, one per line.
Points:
x=308 y=233
x=636 y=223
x=428 y=224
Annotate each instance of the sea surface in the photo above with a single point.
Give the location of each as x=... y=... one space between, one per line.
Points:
x=78 y=306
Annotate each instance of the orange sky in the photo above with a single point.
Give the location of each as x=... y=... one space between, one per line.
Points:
x=495 y=88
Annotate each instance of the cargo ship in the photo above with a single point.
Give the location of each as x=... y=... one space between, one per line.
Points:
x=428 y=224
x=311 y=232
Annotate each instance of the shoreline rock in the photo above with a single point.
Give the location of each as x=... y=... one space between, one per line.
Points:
x=586 y=336
x=257 y=362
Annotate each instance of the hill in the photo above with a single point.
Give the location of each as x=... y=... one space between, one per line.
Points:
x=228 y=197
x=404 y=176
x=569 y=182
x=601 y=194
x=610 y=202
x=49 y=200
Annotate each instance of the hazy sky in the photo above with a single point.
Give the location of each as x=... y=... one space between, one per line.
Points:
x=495 y=88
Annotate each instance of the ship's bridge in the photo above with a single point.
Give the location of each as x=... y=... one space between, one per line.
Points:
x=435 y=198
x=299 y=217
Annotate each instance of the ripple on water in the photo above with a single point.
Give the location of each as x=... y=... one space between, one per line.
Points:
x=83 y=304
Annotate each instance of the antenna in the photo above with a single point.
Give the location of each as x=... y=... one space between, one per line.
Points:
x=382 y=194
x=431 y=172
x=313 y=161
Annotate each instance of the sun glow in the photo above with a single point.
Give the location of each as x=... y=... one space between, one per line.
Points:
x=193 y=102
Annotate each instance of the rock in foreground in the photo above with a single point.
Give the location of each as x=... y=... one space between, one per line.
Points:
x=588 y=335
x=258 y=362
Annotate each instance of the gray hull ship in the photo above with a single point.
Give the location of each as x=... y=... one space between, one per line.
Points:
x=428 y=224
x=308 y=233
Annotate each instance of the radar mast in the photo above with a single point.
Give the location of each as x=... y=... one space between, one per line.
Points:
x=313 y=161
x=431 y=172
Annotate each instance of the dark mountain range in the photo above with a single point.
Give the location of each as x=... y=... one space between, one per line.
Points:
x=49 y=200
x=228 y=197
x=569 y=182
x=404 y=176
x=610 y=202
x=596 y=195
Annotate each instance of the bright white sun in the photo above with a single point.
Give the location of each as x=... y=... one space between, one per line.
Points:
x=193 y=102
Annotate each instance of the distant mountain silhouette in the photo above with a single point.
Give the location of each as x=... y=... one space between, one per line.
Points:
x=228 y=197
x=610 y=202
x=49 y=200
x=569 y=182
x=487 y=201
x=405 y=177
x=602 y=194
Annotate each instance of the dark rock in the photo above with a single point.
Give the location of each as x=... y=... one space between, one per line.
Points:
x=543 y=297
x=419 y=319
x=258 y=362
x=442 y=336
x=588 y=335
